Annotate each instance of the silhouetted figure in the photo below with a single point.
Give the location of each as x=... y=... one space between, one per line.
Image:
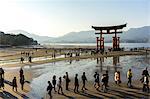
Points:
x=76 y=84
x=65 y=55
x=22 y=80
x=95 y=79
x=2 y=78
x=54 y=83
x=28 y=53
x=66 y=77
x=107 y=78
x=21 y=59
x=84 y=79
x=60 y=86
x=30 y=59
x=1 y=82
x=104 y=81
x=145 y=83
x=14 y=84
x=97 y=85
x=129 y=76
x=49 y=89
x=145 y=72
x=21 y=72
x=2 y=73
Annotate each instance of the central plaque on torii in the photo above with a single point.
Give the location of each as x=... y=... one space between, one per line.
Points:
x=108 y=30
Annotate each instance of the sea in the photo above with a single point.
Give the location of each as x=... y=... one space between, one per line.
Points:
x=125 y=45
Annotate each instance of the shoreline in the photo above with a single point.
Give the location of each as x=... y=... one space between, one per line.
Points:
x=110 y=54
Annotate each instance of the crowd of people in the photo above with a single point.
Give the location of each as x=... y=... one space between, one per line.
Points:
x=103 y=81
x=14 y=81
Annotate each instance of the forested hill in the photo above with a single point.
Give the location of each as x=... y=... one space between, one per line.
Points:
x=16 y=40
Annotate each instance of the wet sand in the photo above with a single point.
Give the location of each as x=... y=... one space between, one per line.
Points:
x=113 y=92
x=8 y=93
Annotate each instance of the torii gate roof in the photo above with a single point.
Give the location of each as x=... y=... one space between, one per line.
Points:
x=109 y=27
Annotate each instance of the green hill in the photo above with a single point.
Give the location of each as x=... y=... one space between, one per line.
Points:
x=16 y=40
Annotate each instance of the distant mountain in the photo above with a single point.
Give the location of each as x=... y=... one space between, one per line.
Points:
x=40 y=39
x=77 y=37
x=137 y=35
x=133 y=35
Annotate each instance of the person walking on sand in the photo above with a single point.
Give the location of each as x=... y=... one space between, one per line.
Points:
x=2 y=72
x=21 y=59
x=116 y=74
x=104 y=82
x=60 y=86
x=145 y=83
x=117 y=77
x=49 y=89
x=84 y=79
x=21 y=72
x=1 y=82
x=14 y=84
x=22 y=81
x=129 y=76
x=30 y=59
x=107 y=78
x=66 y=77
x=145 y=72
x=97 y=82
x=54 y=83
x=76 y=84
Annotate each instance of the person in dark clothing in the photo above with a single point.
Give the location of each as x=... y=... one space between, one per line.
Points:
x=2 y=73
x=21 y=72
x=145 y=72
x=66 y=77
x=22 y=80
x=84 y=79
x=30 y=59
x=21 y=59
x=14 y=83
x=76 y=84
x=2 y=77
x=104 y=81
x=60 y=86
x=49 y=89
x=1 y=82
x=54 y=83
x=95 y=79
x=107 y=78
x=97 y=82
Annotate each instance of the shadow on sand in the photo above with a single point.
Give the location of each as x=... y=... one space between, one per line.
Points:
x=7 y=95
x=10 y=95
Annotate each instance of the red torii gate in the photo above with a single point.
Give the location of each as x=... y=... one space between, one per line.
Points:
x=108 y=30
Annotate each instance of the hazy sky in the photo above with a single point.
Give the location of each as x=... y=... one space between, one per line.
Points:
x=58 y=17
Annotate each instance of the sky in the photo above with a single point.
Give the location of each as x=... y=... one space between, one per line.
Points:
x=57 y=17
